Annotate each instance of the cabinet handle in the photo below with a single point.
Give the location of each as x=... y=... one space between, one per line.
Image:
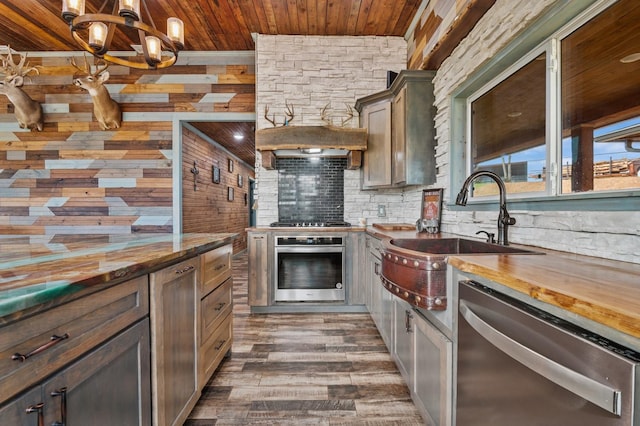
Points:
x=376 y=268
x=220 y=266
x=62 y=393
x=408 y=316
x=220 y=345
x=220 y=306
x=185 y=269
x=54 y=340
x=37 y=408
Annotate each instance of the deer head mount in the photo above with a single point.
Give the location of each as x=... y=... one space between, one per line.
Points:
x=28 y=112
x=327 y=118
x=106 y=110
x=289 y=115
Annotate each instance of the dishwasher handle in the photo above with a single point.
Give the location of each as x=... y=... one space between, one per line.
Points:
x=591 y=390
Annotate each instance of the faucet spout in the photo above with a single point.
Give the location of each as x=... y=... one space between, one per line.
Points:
x=504 y=220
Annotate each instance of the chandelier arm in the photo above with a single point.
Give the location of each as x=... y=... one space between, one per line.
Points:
x=83 y=21
x=146 y=9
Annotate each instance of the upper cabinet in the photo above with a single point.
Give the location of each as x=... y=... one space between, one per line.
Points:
x=401 y=134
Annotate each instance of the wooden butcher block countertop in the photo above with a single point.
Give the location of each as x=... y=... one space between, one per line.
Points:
x=604 y=291
x=36 y=272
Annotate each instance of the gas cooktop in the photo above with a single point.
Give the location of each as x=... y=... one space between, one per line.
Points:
x=336 y=223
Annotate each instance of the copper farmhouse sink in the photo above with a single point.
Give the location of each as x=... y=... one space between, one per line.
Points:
x=415 y=269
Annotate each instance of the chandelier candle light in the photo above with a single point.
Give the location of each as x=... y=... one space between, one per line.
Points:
x=126 y=15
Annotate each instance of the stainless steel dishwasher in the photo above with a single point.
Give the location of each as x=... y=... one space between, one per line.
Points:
x=519 y=366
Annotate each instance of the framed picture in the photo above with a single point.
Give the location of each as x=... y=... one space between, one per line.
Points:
x=229 y=194
x=230 y=165
x=239 y=181
x=215 y=174
x=431 y=212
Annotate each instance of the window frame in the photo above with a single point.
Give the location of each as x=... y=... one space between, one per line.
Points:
x=544 y=34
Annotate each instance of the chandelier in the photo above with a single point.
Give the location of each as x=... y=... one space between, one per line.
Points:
x=94 y=32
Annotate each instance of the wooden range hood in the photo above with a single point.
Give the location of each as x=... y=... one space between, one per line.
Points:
x=352 y=140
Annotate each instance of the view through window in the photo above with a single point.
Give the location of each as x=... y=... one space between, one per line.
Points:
x=599 y=118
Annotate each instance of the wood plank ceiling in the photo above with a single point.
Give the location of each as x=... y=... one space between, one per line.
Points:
x=214 y=25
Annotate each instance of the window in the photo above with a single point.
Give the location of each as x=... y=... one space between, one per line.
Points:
x=590 y=142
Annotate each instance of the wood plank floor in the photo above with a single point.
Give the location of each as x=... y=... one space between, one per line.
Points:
x=295 y=369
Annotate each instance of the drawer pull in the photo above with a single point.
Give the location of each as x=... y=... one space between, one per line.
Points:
x=54 y=340
x=37 y=408
x=220 y=306
x=62 y=393
x=220 y=266
x=185 y=269
x=220 y=345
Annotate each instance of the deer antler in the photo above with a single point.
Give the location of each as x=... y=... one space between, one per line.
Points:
x=272 y=121
x=324 y=116
x=11 y=69
x=349 y=116
x=289 y=115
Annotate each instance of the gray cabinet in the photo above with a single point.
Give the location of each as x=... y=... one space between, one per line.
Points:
x=403 y=342
x=174 y=312
x=259 y=282
x=423 y=355
x=375 y=116
x=433 y=375
x=98 y=373
x=401 y=132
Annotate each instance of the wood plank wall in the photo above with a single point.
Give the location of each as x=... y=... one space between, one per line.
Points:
x=208 y=208
x=73 y=178
x=442 y=25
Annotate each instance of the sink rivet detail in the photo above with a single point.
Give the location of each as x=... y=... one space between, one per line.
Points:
x=436 y=265
x=438 y=301
x=418 y=299
x=406 y=294
x=416 y=263
x=395 y=258
x=405 y=261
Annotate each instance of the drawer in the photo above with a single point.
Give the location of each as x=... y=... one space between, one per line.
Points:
x=214 y=350
x=79 y=325
x=214 y=307
x=215 y=268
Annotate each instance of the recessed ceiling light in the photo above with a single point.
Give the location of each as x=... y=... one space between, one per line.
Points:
x=238 y=137
x=630 y=58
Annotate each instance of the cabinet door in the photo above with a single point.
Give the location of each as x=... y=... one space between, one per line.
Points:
x=433 y=372
x=376 y=170
x=258 y=276
x=25 y=410
x=174 y=341
x=356 y=265
x=398 y=140
x=109 y=386
x=403 y=339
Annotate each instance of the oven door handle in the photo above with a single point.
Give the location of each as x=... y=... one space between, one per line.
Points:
x=593 y=391
x=309 y=249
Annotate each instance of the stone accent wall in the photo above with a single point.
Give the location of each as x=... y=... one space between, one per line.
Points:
x=207 y=208
x=613 y=235
x=310 y=72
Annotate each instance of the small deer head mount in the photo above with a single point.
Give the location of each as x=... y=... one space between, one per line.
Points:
x=289 y=115
x=327 y=118
x=28 y=112
x=106 y=110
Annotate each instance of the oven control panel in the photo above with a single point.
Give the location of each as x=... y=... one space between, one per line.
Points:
x=309 y=240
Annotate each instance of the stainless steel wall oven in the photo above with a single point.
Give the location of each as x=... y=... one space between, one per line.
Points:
x=309 y=268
